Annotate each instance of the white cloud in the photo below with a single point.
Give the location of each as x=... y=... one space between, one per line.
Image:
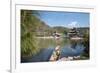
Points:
x=73 y=24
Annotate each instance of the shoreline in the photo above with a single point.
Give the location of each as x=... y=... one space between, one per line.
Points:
x=51 y=37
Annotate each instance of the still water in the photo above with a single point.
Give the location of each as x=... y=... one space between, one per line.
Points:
x=68 y=48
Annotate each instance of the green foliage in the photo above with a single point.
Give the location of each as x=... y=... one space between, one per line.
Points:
x=28 y=45
x=86 y=44
x=28 y=25
x=60 y=29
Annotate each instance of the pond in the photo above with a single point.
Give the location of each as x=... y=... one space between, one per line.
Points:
x=68 y=47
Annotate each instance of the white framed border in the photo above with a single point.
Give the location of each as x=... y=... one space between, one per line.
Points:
x=16 y=66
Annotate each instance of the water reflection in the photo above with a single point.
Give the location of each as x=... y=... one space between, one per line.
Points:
x=68 y=48
x=75 y=43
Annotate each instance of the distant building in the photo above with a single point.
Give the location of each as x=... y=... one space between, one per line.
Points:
x=73 y=32
x=55 y=34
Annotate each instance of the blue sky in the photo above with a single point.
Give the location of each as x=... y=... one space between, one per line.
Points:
x=65 y=19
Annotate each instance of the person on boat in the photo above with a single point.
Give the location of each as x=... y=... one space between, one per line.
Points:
x=56 y=53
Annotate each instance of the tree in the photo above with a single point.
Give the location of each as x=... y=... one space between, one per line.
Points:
x=28 y=25
x=86 y=44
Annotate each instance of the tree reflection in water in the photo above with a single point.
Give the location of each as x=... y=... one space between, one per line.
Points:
x=67 y=47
